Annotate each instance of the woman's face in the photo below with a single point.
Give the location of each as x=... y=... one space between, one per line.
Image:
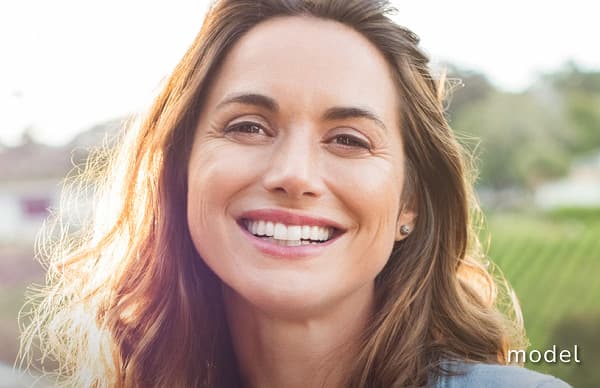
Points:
x=296 y=171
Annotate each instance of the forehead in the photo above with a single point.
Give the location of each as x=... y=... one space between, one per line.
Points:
x=305 y=62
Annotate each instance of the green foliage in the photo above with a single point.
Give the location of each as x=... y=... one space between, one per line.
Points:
x=553 y=262
x=583 y=112
x=579 y=329
x=466 y=86
x=517 y=142
x=578 y=214
x=572 y=78
x=531 y=137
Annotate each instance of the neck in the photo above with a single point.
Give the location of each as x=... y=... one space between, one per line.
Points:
x=311 y=351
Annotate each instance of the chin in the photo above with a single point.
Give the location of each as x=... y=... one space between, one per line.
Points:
x=285 y=299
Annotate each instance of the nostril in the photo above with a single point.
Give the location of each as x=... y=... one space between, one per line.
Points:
x=295 y=188
x=294 y=174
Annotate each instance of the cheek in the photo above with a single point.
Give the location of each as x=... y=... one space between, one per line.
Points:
x=212 y=175
x=218 y=171
x=371 y=190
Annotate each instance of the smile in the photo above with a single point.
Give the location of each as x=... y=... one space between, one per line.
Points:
x=288 y=235
x=281 y=233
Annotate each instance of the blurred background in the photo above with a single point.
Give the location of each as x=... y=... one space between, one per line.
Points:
x=526 y=102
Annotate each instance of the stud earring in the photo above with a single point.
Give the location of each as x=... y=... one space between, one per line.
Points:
x=404 y=230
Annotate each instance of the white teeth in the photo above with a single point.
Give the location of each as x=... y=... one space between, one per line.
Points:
x=280 y=232
x=305 y=232
x=260 y=230
x=289 y=242
x=290 y=234
x=314 y=233
x=269 y=229
x=294 y=233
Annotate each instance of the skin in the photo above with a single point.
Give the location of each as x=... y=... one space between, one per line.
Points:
x=295 y=321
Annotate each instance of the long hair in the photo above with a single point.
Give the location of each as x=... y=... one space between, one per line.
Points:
x=129 y=302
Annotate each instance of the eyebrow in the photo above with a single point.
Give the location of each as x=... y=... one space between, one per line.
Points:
x=331 y=114
x=341 y=113
x=251 y=99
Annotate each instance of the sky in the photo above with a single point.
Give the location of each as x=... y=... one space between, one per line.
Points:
x=67 y=65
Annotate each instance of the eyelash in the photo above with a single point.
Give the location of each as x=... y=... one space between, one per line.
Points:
x=343 y=140
x=246 y=124
x=351 y=141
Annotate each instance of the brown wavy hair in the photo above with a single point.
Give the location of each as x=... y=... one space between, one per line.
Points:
x=129 y=302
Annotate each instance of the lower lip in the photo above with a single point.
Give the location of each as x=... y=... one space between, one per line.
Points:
x=287 y=252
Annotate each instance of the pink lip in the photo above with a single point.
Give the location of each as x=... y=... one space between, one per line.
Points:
x=288 y=218
x=287 y=252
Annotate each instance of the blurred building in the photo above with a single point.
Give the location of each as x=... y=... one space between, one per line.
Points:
x=580 y=188
x=31 y=177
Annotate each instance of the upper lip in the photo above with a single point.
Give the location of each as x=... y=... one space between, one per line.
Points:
x=289 y=218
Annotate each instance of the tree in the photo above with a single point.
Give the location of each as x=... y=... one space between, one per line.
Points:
x=580 y=91
x=518 y=143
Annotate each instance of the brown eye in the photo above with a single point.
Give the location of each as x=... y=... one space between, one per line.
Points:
x=350 y=141
x=245 y=127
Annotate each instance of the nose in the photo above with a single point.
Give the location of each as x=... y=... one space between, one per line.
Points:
x=294 y=167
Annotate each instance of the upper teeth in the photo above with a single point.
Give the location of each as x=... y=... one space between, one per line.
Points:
x=281 y=231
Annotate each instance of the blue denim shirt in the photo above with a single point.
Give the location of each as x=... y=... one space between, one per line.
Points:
x=498 y=376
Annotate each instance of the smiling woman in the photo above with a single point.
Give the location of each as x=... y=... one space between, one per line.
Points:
x=294 y=211
x=306 y=177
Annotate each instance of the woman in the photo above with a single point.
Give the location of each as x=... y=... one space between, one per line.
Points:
x=293 y=211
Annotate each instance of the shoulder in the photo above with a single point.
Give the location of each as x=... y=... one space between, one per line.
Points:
x=496 y=376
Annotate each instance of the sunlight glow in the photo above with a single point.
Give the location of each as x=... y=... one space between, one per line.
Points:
x=68 y=65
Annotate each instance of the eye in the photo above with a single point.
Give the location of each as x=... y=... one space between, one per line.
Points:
x=351 y=141
x=246 y=127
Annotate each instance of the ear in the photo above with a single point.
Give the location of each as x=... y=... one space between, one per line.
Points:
x=405 y=224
